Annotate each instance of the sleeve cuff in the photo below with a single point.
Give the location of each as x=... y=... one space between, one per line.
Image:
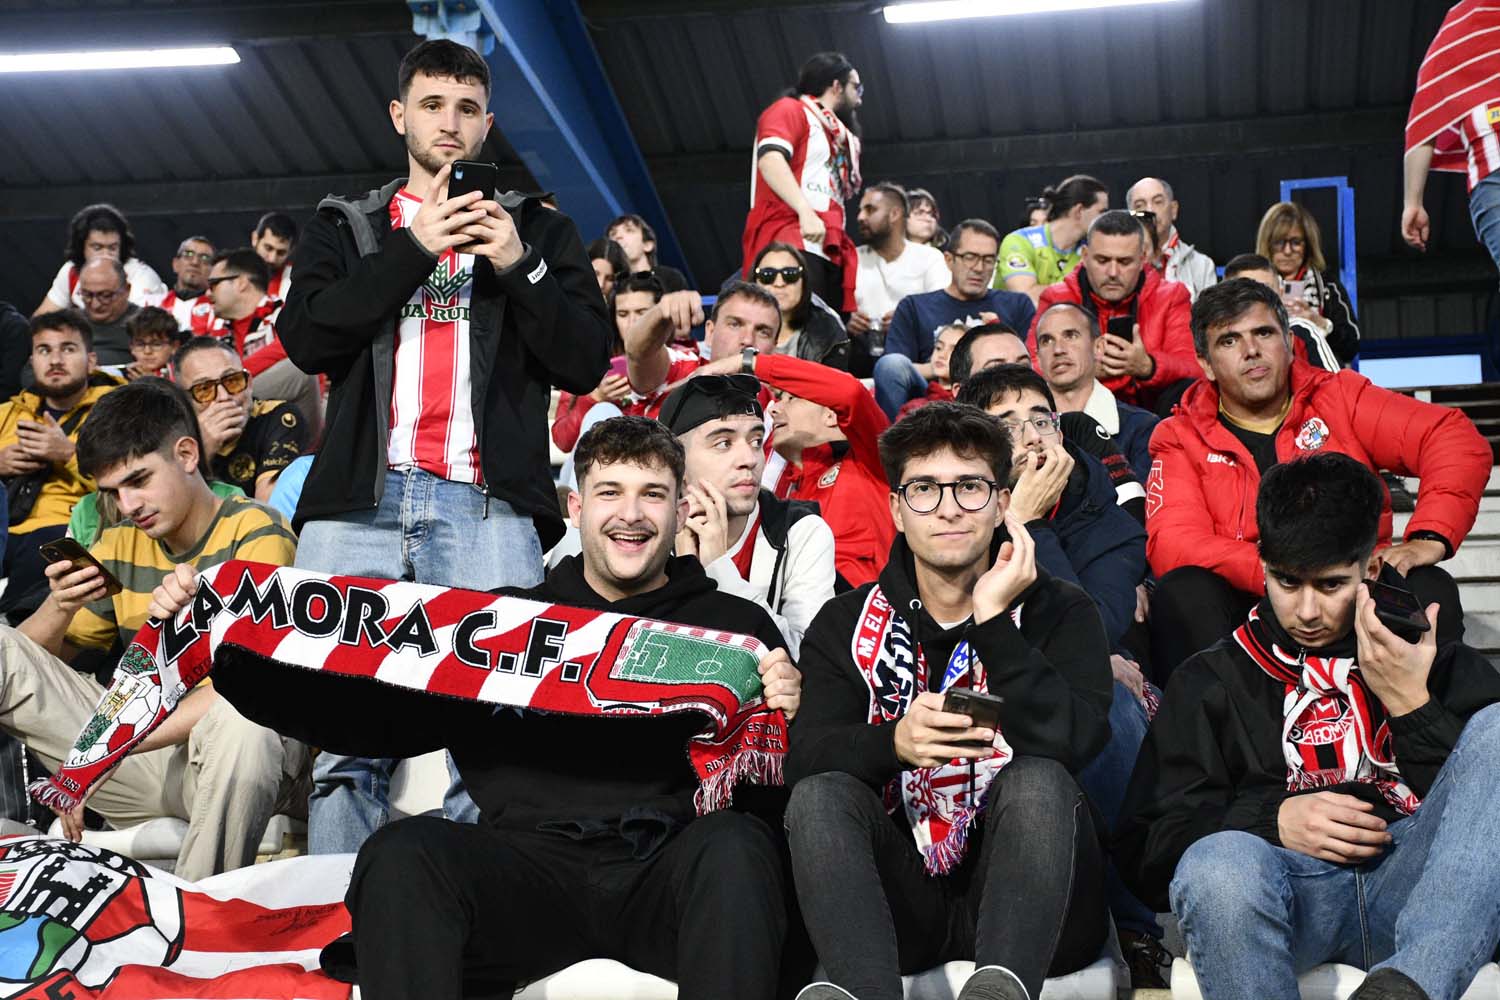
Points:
x=524 y=273
x=1428 y=715
x=416 y=243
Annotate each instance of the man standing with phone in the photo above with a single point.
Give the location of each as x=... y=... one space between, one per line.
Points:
x=443 y=323
x=960 y=604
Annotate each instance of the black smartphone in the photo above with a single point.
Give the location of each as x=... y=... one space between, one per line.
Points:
x=1399 y=610
x=1121 y=326
x=983 y=708
x=472 y=175
x=69 y=550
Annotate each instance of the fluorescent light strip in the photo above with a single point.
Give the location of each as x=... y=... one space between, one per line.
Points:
x=71 y=62
x=953 y=10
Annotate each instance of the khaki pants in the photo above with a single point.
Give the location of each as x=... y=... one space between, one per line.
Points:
x=226 y=781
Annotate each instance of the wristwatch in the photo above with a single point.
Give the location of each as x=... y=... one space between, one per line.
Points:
x=747 y=360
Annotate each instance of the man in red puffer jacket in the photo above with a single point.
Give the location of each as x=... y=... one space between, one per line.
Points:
x=1259 y=407
x=1114 y=281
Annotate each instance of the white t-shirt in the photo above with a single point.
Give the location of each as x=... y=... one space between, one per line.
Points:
x=881 y=284
x=146 y=286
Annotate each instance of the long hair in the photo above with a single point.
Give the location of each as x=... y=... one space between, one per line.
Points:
x=104 y=218
x=798 y=318
x=1280 y=219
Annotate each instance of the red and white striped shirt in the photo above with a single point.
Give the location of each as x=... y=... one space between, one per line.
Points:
x=195 y=314
x=432 y=414
x=281 y=283
x=1457 y=102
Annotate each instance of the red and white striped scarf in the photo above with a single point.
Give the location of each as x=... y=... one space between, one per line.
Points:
x=445 y=642
x=941 y=803
x=1334 y=730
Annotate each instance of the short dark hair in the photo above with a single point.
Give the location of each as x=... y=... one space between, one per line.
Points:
x=145 y=416
x=822 y=71
x=153 y=321
x=987 y=385
x=1247 y=262
x=735 y=288
x=647 y=233
x=441 y=57
x=65 y=319
x=961 y=361
x=104 y=218
x=1080 y=189
x=638 y=440
x=196 y=344
x=607 y=249
x=971 y=225
x=1319 y=511
x=243 y=260
x=278 y=224
x=893 y=191
x=966 y=431
x=1226 y=302
x=1090 y=320
x=798 y=316
x=1117 y=222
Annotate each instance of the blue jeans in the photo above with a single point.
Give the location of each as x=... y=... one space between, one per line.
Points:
x=1256 y=915
x=1104 y=781
x=427 y=530
x=897 y=382
x=1484 y=210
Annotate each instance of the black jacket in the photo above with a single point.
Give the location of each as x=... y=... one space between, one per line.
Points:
x=823 y=338
x=1213 y=758
x=1053 y=673
x=540 y=322
x=15 y=349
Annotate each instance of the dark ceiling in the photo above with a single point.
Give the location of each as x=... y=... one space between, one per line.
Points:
x=1222 y=97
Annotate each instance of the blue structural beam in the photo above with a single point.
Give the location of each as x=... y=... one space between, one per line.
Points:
x=1348 y=273
x=555 y=106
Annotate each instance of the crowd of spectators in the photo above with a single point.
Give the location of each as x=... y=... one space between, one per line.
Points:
x=1061 y=465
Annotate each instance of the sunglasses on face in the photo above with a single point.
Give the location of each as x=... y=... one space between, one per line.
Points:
x=215 y=282
x=767 y=275
x=234 y=383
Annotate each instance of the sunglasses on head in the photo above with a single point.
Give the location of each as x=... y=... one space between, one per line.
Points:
x=234 y=383
x=714 y=386
x=767 y=275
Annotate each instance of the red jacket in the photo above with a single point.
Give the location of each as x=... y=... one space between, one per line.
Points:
x=1162 y=308
x=851 y=491
x=1200 y=497
x=935 y=394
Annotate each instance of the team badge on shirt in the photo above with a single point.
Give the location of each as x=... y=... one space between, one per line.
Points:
x=445 y=281
x=1312 y=435
x=1017 y=262
x=830 y=477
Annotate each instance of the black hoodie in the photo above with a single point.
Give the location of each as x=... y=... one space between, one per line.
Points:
x=1053 y=673
x=1213 y=758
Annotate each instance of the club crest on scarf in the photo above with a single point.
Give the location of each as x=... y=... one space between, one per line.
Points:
x=940 y=803
x=1334 y=730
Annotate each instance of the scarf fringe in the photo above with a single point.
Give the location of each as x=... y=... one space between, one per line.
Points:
x=47 y=792
x=944 y=856
x=758 y=767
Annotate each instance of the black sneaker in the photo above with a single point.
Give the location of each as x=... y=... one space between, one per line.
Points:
x=1150 y=964
x=1402 y=502
x=824 y=991
x=993 y=982
x=1388 y=984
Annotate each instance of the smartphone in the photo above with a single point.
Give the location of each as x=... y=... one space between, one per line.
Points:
x=1294 y=290
x=69 y=550
x=983 y=708
x=620 y=366
x=1121 y=326
x=472 y=175
x=1399 y=610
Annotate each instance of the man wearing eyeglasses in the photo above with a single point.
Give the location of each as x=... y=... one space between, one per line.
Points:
x=1175 y=260
x=105 y=292
x=903 y=372
x=992 y=854
x=187 y=300
x=249 y=441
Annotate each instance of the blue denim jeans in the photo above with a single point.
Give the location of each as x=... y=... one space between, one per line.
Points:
x=1256 y=915
x=1484 y=210
x=897 y=381
x=427 y=530
x=1104 y=781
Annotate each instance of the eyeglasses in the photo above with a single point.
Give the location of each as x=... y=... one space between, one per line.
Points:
x=1293 y=243
x=924 y=496
x=204 y=255
x=1044 y=424
x=234 y=383
x=100 y=297
x=790 y=275
x=971 y=259
x=215 y=282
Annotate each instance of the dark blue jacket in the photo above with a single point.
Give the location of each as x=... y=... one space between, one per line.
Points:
x=918 y=317
x=1093 y=542
x=1134 y=438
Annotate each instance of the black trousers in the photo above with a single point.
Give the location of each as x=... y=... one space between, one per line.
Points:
x=443 y=910
x=1193 y=608
x=1029 y=895
x=25 y=568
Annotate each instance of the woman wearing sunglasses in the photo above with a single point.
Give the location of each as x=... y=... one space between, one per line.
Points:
x=1290 y=239
x=809 y=329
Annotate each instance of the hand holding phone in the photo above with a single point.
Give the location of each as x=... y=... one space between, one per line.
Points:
x=1399 y=610
x=73 y=587
x=983 y=708
x=1121 y=326
x=929 y=736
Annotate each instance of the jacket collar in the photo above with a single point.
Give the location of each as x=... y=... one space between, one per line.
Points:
x=1104 y=408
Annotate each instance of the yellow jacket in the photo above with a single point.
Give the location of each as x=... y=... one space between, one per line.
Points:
x=66 y=486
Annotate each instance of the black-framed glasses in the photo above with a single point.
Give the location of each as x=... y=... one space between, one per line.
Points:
x=1044 y=424
x=924 y=496
x=767 y=275
x=982 y=259
x=215 y=282
x=234 y=383
x=109 y=295
x=1293 y=243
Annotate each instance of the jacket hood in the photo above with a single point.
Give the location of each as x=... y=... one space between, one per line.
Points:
x=685 y=581
x=1088 y=484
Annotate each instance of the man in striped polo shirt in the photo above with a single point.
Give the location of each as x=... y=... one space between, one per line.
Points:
x=208 y=765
